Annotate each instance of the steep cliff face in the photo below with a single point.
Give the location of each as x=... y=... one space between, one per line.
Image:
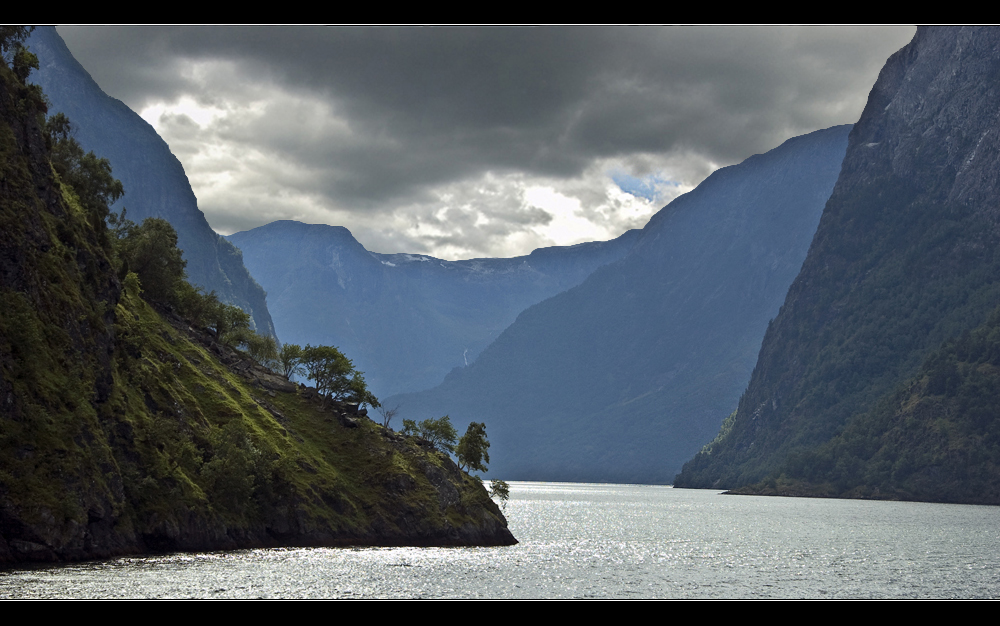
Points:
x=154 y=180
x=625 y=376
x=124 y=430
x=904 y=259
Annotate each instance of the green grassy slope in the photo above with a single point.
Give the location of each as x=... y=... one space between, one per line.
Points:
x=122 y=430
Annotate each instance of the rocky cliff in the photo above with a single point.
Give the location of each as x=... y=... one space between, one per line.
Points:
x=903 y=260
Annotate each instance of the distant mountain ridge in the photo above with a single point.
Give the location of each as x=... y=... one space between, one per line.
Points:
x=154 y=180
x=877 y=377
x=626 y=375
x=405 y=319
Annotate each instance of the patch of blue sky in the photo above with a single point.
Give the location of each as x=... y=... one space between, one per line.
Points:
x=649 y=187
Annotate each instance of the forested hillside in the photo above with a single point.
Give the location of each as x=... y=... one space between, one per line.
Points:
x=126 y=427
x=935 y=438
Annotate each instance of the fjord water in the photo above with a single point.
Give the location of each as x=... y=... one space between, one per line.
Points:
x=602 y=541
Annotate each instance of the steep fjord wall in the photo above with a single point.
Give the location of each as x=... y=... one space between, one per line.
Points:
x=905 y=258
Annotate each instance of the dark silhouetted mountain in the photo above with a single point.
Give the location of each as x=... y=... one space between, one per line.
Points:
x=406 y=319
x=625 y=376
x=154 y=180
x=853 y=393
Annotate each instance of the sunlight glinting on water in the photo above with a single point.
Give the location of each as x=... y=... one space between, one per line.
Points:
x=601 y=541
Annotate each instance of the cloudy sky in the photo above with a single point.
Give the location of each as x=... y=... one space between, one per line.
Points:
x=472 y=142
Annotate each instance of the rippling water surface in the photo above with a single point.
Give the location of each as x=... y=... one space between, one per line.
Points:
x=601 y=541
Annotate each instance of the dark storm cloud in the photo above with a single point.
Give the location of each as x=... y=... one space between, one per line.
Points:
x=407 y=122
x=546 y=99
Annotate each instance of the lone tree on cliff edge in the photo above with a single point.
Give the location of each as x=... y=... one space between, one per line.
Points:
x=472 y=450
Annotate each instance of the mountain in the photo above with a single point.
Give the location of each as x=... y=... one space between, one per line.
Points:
x=876 y=378
x=123 y=429
x=154 y=180
x=626 y=375
x=408 y=319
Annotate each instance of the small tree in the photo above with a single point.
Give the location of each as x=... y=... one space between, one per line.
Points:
x=23 y=62
x=194 y=304
x=472 y=450
x=501 y=491
x=335 y=376
x=290 y=360
x=387 y=414
x=230 y=323
x=11 y=38
x=150 y=250
x=359 y=391
x=263 y=349
x=329 y=369
x=89 y=175
x=439 y=432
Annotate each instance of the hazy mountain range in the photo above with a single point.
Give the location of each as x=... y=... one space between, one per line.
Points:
x=405 y=319
x=625 y=376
